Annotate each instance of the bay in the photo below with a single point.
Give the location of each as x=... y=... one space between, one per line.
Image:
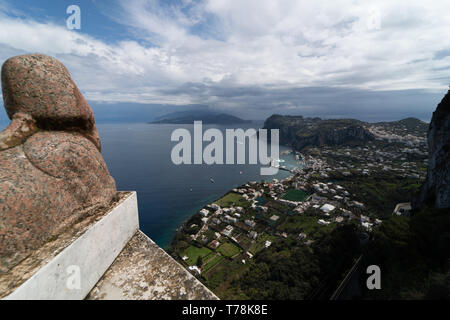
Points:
x=138 y=156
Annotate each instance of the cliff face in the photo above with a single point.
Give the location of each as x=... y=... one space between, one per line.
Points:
x=436 y=190
x=348 y=135
x=300 y=132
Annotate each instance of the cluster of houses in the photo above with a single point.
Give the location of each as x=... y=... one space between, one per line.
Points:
x=216 y=215
x=370 y=160
x=381 y=133
x=331 y=202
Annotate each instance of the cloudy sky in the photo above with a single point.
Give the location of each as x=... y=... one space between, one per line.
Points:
x=372 y=60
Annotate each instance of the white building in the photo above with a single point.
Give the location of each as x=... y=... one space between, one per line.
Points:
x=402 y=209
x=327 y=208
x=195 y=268
x=250 y=223
x=323 y=222
x=228 y=230
x=230 y=219
x=253 y=235
x=359 y=205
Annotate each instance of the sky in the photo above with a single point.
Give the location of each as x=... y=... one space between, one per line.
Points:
x=371 y=60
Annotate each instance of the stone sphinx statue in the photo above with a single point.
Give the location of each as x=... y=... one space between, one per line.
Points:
x=51 y=171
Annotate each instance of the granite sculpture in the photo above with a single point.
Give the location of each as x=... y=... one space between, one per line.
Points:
x=51 y=171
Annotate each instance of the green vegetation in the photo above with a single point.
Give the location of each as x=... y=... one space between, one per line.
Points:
x=259 y=243
x=380 y=194
x=221 y=279
x=414 y=256
x=212 y=261
x=295 y=195
x=193 y=253
x=412 y=125
x=290 y=270
x=234 y=275
x=230 y=199
x=305 y=224
x=228 y=249
x=199 y=261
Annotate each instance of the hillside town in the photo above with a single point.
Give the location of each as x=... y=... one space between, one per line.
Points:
x=332 y=185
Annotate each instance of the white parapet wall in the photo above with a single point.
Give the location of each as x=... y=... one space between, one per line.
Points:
x=72 y=273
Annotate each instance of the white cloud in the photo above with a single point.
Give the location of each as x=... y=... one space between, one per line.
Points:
x=279 y=44
x=387 y=45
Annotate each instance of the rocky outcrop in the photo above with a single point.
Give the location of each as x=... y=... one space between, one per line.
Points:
x=436 y=190
x=299 y=132
x=51 y=171
x=334 y=137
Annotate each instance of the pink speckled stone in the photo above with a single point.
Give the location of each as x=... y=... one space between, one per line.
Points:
x=56 y=176
x=41 y=86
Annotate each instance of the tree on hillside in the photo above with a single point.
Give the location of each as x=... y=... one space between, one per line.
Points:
x=199 y=261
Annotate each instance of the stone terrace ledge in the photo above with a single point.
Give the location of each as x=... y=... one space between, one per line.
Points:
x=115 y=259
x=145 y=271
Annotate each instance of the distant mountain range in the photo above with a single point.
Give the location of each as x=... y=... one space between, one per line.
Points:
x=207 y=117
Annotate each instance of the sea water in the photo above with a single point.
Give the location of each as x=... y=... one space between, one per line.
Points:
x=139 y=158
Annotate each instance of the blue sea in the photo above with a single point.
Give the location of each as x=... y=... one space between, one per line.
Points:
x=139 y=158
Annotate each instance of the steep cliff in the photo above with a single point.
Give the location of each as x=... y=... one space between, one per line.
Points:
x=300 y=132
x=436 y=190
